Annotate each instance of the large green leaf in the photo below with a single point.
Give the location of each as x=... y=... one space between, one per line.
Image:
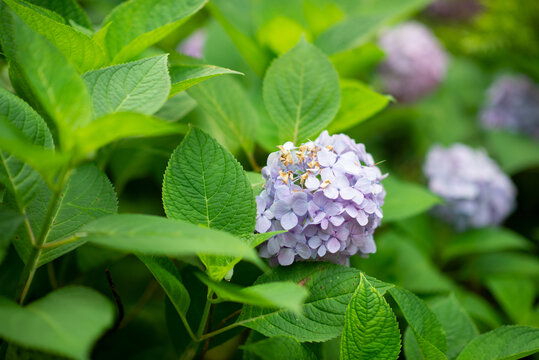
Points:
x=427 y=329
x=154 y=235
x=370 y=327
x=117 y=126
x=135 y=25
x=228 y=110
x=53 y=80
x=256 y=180
x=70 y=10
x=87 y=195
x=503 y=263
x=485 y=240
x=277 y=348
x=503 y=343
x=358 y=103
x=139 y=86
x=479 y=309
x=301 y=92
x=80 y=49
x=66 y=322
x=405 y=199
x=205 y=185
x=514 y=152
x=330 y=289
x=10 y=220
x=19 y=178
x=185 y=76
x=278 y=294
x=516 y=296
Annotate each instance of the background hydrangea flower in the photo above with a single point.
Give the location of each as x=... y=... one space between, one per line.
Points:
x=513 y=104
x=327 y=194
x=415 y=62
x=476 y=192
x=193 y=45
x=454 y=10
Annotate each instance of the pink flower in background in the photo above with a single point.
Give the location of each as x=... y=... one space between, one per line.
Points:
x=193 y=45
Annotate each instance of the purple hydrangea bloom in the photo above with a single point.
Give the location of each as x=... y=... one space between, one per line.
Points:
x=193 y=45
x=454 y=10
x=476 y=192
x=513 y=104
x=415 y=62
x=327 y=195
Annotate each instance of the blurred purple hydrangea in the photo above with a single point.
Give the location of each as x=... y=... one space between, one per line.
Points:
x=513 y=104
x=454 y=10
x=327 y=195
x=476 y=192
x=193 y=45
x=415 y=62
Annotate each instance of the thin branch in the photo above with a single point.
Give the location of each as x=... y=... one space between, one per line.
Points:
x=118 y=301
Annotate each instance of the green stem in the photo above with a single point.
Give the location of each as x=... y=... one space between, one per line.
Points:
x=32 y=264
x=219 y=331
x=205 y=314
x=68 y=240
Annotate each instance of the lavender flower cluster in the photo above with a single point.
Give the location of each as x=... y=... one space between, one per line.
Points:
x=327 y=195
x=476 y=192
x=513 y=104
x=454 y=10
x=193 y=45
x=415 y=62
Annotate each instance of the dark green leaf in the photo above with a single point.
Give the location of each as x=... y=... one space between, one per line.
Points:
x=277 y=348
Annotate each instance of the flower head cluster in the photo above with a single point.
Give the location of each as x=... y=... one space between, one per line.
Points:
x=415 y=62
x=193 y=45
x=327 y=195
x=513 y=104
x=454 y=10
x=476 y=192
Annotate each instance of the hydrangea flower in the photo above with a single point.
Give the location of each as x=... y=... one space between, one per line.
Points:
x=513 y=104
x=327 y=195
x=476 y=192
x=193 y=45
x=415 y=62
x=454 y=10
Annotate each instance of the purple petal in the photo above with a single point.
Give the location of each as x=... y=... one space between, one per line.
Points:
x=312 y=183
x=326 y=158
x=333 y=245
x=289 y=220
x=260 y=204
x=280 y=208
x=286 y=257
x=303 y=251
x=362 y=218
x=331 y=192
x=336 y=220
x=321 y=250
x=300 y=207
x=262 y=224
x=348 y=193
x=314 y=242
x=273 y=246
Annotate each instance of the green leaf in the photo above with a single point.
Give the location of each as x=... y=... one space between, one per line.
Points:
x=256 y=180
x=228 y=110
x=87 y=195
x=168 y=276
x=66 y=322
x=485 y=240
x=458 y=326
x=129 y=29
x=19 y=178
x=185 y=76
x=117 y=126
x=370 y=327
x=330 y=289
x=154 y=235
x=80 y=49
x=256 y=239
x=514 y=152
x=10 y=220
x=503 y=343
x=479 y=309
x=507 y=263
x=426 y=327
x=70 y=10
x=53 y=80
x=139 y=86
x=405 y=199
x=177 y=107
x=358 y=103
x=301 y=92
x=278 y=348
x=281 y=34
x=205 y=185
x=516 y=296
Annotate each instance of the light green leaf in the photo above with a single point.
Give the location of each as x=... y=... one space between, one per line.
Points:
x=426 y=327
x=256 y=180
x=154 y=235
x=330 y=289
x=129 y=29
x=117 y=126
x=66 y=322
x=80 y=49
x=168 y=276
x=53 y=80
x=503 y=343
x=139 y=86
x=19 y=178
x=281 y=34
x=177 y=107
x=284 y=295
x=516 y=296
x=484 y=241
x=479 y=309
x=87 y=195
x=185 y=76
x=228 y=110
x=405 y=199
x=205 y=185
x=70 y=10
x=301 y=92
x=514 y=152
x=506 y=263
x=370 y=327
x=358 y=103
x=277 y=348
